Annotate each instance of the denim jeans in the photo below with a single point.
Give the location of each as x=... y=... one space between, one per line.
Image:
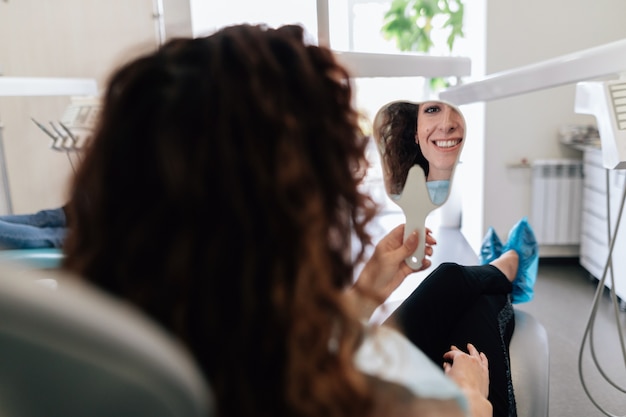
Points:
x=44 y=229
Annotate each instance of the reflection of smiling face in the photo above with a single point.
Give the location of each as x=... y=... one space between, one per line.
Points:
x=440 y=133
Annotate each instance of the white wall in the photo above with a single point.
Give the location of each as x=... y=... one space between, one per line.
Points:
x=64 y=38
x=521 y=33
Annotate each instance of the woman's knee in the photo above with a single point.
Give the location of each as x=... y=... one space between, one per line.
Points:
x=449 y=270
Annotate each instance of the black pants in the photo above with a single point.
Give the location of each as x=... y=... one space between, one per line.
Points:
x=457 y=305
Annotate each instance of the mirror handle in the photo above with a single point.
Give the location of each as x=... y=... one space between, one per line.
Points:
x=416 y=204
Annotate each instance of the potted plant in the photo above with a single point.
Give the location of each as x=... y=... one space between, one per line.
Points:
x=411 y=23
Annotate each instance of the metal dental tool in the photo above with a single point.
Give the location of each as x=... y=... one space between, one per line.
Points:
x=47 y=132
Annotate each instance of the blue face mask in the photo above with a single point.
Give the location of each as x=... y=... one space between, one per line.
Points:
x=438 y=191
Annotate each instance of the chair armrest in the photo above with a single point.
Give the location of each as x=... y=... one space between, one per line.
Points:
x=41 y=258
x=530 y=366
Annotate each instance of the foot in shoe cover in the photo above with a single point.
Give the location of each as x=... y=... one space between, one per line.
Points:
x=522 y=240
x=491 y=247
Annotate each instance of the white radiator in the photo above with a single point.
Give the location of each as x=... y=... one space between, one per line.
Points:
x=557 y=186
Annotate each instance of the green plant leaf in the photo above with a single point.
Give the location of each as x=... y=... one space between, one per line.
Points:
x=438 y=83
x=409 y=22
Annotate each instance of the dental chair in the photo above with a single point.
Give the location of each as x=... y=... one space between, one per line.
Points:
x=68 y=350
x=41 y=258
x=530 y=365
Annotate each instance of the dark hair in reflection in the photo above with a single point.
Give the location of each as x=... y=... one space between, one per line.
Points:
x=395 y=127
x=222 y=194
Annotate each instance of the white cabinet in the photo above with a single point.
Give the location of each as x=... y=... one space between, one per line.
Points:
x=594 y=241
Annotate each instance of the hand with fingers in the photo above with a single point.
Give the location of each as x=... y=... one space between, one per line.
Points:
x=387 y=269
x=471 y=372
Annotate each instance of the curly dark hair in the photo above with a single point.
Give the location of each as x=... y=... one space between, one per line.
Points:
x=219 y=194
x=395 y=127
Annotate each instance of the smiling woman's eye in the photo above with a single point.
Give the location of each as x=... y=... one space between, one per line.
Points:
x=431 y=109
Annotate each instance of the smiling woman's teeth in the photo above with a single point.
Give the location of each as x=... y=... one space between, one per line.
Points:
x=446 y=143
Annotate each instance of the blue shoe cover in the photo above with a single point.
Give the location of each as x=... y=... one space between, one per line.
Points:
x=522 y=240
x=491 y=248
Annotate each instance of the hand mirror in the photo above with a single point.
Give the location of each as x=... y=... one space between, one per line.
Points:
x=419 y=145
